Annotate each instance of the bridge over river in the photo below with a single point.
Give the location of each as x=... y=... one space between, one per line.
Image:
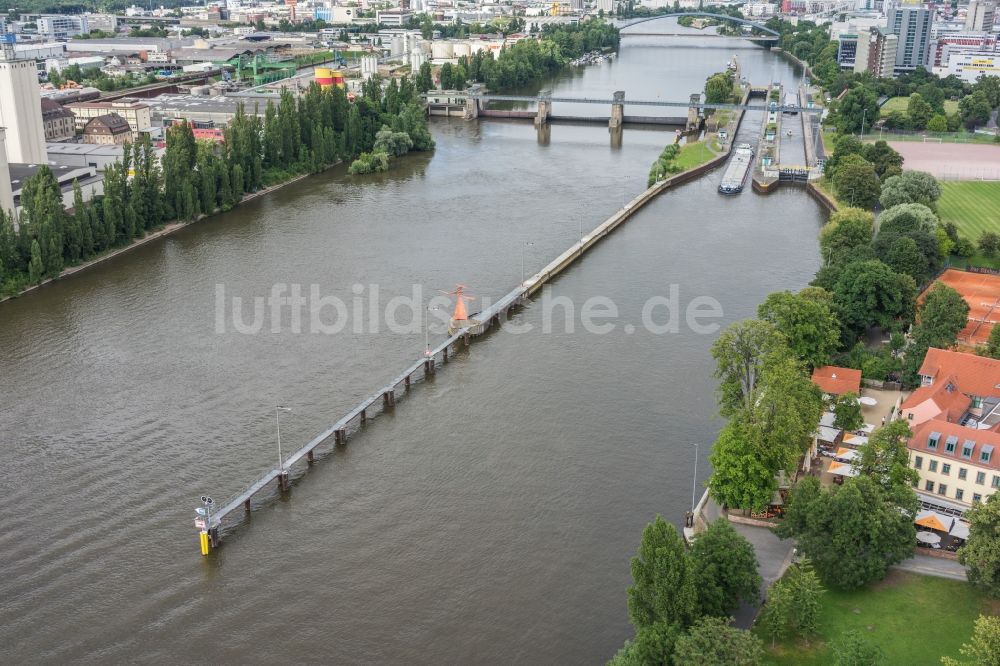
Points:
x=475 y=103
x=770 y=36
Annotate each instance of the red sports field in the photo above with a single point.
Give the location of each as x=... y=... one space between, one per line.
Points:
x=982 y=293
x=951 y=161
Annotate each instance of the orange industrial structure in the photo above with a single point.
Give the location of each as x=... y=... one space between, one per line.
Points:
x=460 y=317
x=327 y=78
x=982 y=292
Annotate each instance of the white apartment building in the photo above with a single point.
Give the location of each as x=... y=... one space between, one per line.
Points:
x=62 y=26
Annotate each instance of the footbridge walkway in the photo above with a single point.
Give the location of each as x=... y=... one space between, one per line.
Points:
x=214 y=521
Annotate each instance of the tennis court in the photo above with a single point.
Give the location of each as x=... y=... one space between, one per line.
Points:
x=982 y=292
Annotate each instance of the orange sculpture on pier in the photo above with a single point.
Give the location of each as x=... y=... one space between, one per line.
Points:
x=460 y=317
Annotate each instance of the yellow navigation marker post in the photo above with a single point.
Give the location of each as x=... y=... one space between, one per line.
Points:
x=203 y=522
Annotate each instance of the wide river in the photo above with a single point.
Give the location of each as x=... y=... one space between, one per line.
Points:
x=491 y=517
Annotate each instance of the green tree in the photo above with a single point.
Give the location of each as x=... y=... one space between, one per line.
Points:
x=988 y=243
x=919 y=111
x=858 y=107
x=869 y=293
x=852 y=533
x=851 y=648
x=424 y=81
x=725 y=569
x=847 y=412
x=990 y=87
x=793 y=603
x=742 y=354
x=904 y=256
x=848 y=230
x=918 y=223
x=975 y=109
x=981 y=553
x=942 y=315
x=886 y=161
x=910 y=187
x=36 y=270
x=392 y=143
x=652 y=646
x=718 y=89
x=843 y=145
x=808 y=322
x=984 y=650
x=857 y=182
x=663 y=582
x=774 y=617
x=885 y=459
x=445 y=76
x=665 y=165
x=741 y=476
x=938 y=123
x=712 y=642
x=992 y=348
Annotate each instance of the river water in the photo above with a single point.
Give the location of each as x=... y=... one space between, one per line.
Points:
x=490 y=518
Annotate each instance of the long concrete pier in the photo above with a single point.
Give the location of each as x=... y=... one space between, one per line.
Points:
x=384 y=399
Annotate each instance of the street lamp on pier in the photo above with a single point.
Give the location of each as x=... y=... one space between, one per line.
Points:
x=527 y=244
x=427 y=325
x=277 y=421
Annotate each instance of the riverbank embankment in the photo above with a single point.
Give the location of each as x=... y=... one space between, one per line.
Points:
x=162 y=232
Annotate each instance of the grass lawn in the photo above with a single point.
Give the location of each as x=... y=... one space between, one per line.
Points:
x=826 y=187
x=913 y=619
x=900 y=103
x=974 y=206
x=693 y=154
x=828 y=140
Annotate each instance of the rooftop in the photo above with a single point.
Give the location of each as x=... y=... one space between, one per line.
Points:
x=973 y=375
x=949 y=401
x=837 y=381
x=968 y=444
x=110 y=122
x=123 y=103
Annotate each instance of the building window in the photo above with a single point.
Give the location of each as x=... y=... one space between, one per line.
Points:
x=929 y=486
x=962 y=473
x=967 y=447
x=918 y=462
x=909 y=415
x=977 y=402
x=949 y=446
x=996 y=481
x=976 y=498
x=942 y=489
x=932 y=466
x=985 y=453
x=959 y=493
x=932 y=441
x=945 y=469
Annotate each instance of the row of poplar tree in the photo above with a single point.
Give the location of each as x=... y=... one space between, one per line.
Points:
x=194 y=178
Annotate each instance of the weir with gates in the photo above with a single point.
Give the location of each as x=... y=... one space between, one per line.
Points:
x=474 y=103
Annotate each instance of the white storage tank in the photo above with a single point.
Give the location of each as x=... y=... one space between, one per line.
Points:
x=442 y=50
x=462 y=49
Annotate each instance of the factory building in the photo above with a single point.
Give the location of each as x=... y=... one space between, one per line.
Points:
x=20 y=111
